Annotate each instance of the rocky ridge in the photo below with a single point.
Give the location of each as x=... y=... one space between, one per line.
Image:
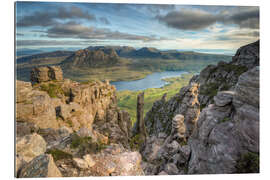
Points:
x=66 y=128
x=223 y=137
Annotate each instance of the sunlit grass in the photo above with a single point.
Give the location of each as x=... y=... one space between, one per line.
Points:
x=127 y=100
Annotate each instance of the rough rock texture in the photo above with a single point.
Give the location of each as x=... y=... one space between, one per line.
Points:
x=224 y=76
x=224 y=137
x=30 y=146
x=64 y=103
x=228 y=131
x=91 y=58
x=139 y=126
x=114 y=160
x=43 y=74
x=159 y=118
x=41 y=166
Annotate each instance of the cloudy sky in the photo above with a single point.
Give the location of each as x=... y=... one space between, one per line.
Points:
x=220 y=29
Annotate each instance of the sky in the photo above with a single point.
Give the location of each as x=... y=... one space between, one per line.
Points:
x=217 y=29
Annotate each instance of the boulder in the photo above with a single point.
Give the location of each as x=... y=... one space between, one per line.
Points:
x=44 y=74
x=41 y=166
x=30 y=146
x=223 y=98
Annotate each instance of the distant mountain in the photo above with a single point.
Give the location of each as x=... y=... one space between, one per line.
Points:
x=54 y=54
x=147 y=52
x=92 y=58
x=27 y=52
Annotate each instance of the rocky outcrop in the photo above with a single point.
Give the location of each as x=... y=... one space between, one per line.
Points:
x=49 y=73
x=41 y=166
x=30 y=146
x=159 y=118
x=224 y=137
x=63 y=103
x=224 y=76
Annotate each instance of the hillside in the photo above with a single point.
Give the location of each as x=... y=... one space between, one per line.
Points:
x=116 y=63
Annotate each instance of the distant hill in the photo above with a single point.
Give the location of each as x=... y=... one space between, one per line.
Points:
x=92 y=58
x=30 y=59
x=147 y=52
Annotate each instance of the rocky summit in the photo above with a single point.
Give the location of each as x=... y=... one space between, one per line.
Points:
x=70 y=129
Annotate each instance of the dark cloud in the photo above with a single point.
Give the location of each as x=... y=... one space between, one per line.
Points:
x=104 y=20
x=195 y=19
x=188 y=19
x=50 y=18
x=245 y=19
x=78 y=31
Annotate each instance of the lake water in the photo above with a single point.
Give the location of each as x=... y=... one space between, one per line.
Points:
x=154 y=80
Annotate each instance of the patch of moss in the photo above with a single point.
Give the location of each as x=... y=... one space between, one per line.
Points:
x=225 y=119
x=136 y=142
x=248 y=163
x=58 y=154
x=202 y=106
x=53 y=89
x=237 y=69
x=183 y=143
x=86 y=144
x=209 y=89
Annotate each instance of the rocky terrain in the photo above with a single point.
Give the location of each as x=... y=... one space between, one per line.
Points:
x=65 y=128
x=212 y=125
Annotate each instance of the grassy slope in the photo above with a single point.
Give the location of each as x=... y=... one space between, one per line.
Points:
x=127 y=100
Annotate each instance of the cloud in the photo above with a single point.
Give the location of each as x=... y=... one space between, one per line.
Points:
x=188 y=19
x=196 y=19
x=78 y=31
x=104 y=20
x=44 y=19
x=24 y=43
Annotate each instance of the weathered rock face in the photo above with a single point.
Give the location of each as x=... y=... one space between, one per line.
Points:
x=228 y=130
x=225 y=138
x=114 y=160
x=159 y=118
x=43 y=74
x=30 y=146
x=224 y=76
x=246 y=103
x=65 y=103
x=41 y=166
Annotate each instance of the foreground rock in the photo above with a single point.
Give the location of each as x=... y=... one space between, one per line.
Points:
x=49 y=73
x=30 y=146
x=41 y=166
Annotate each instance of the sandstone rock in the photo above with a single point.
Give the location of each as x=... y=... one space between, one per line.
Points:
x=24 y=128
x=41 y=166
x=178 y=126
x=89 y=160
x=80 y=163
x=43 y=74
x=30 y=146
x=224 y=76
x=67 y=103
x=139 y=126
x=246 y=103
x=223 y=98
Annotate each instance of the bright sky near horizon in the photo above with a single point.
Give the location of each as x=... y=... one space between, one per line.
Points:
x=181 y=27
